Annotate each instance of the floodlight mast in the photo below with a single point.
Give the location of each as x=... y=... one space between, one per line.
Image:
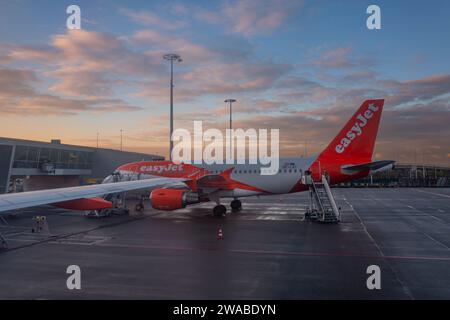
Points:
x=121 y=133
x=230 y=101
x=171 y=57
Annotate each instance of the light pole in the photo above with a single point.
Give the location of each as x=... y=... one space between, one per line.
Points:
x=121 y=131
x=230 y=101
x=171 y=57
x=306 y=148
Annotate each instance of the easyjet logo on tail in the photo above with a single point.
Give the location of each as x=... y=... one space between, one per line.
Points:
x=357 y=129
x=163 y=168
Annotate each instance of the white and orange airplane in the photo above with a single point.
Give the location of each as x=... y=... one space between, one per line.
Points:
x=174 y=186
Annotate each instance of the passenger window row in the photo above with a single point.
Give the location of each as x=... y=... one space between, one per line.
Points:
x=255 y=171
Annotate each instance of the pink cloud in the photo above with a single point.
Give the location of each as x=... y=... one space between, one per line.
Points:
x=19 y=97
x=218 y=78
x=151 y=19
x=87 y=63
x=16 y=82
x=343 y=57
x=334 y=58
x=400 y=92
x=250 y=17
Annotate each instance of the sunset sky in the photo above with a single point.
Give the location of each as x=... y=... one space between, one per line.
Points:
x=301 y=66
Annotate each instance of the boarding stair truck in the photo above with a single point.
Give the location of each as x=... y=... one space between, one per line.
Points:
x=322 y=205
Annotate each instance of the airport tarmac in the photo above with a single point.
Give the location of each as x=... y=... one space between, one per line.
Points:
x=268 y=251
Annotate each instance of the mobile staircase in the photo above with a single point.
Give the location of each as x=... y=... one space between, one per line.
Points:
x=322 y=206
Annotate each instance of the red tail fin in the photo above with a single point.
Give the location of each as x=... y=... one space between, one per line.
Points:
x=356 y=141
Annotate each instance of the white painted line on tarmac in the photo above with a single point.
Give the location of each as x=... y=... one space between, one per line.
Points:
x=437 y=194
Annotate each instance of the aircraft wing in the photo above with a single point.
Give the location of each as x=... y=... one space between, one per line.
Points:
x=12 y=201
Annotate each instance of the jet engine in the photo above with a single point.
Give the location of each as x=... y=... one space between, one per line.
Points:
x=172 y=199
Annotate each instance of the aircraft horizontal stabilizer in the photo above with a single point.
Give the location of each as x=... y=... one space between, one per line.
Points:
x=375 y=165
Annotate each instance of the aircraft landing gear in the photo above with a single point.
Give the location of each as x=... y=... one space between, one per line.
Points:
x=236 y=205
x=100 y=213
x=219 y=211
x=139 y=207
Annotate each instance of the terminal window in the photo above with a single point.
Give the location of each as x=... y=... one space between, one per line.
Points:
x=34 y=157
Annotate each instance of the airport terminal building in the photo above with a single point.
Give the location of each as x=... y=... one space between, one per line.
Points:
x=407 y=175
x=30 y=165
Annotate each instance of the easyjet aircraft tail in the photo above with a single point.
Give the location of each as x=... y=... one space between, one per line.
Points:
x=353 y=145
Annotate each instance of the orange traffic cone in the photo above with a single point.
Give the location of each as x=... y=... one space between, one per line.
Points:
x=219 y=234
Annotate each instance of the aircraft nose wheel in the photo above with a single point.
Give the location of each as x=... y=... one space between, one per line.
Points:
x=236 y=205
x=219 y=211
